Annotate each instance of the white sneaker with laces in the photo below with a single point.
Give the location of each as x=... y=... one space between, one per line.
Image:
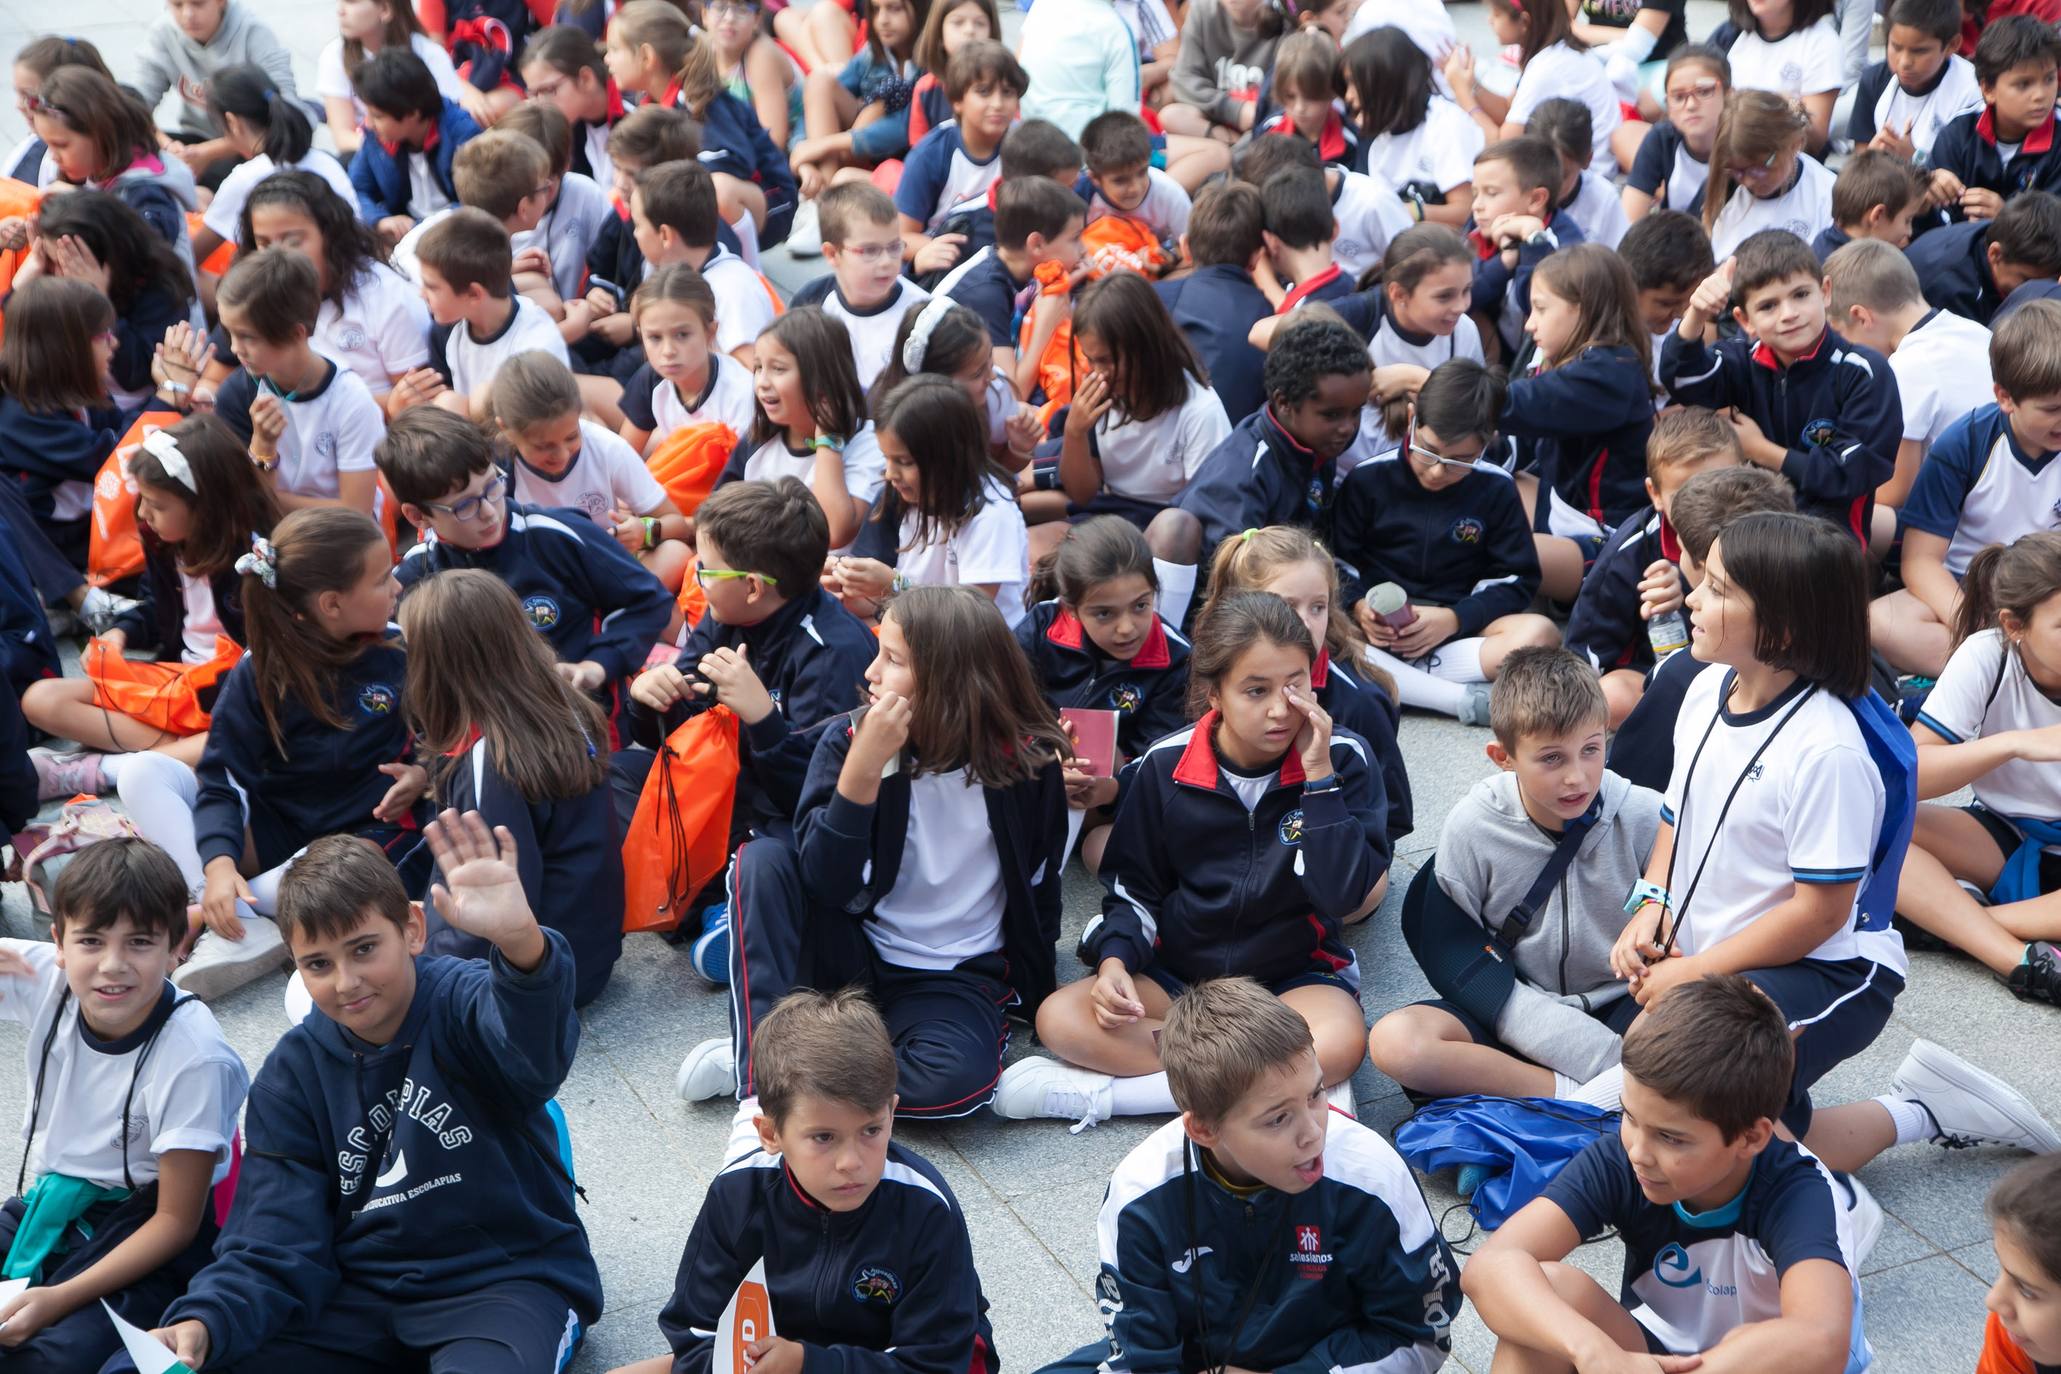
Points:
x=1970 y=1106
x=220 y=966
x=1863 y=1217
x=805 y=235
x=709 y=1071
x=1039 y=1087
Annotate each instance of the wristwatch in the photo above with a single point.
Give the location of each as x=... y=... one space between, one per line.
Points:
x=1643 y=892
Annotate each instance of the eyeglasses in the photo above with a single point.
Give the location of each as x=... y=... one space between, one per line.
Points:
x=472 y=507
x=1696 y=94
x=1755 y=171
x=1430 y=459
x=870 y=252
x=704 y=576
x=548 y=90
x=730 y=9
x=107 y=336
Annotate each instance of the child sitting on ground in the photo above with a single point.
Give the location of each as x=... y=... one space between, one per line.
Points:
x=865 y=287
x=1513 y=229
x=685 y=379
x=674 y=215
x=817 y=1151
x=1875 y=196
x=958 y=159
x=1218 y=303
x=1921 y=85
x=1547 y=1016
x=1255 y=1152
x=403 y=171
x=1973 y=268
x=487 y=1261
x=2005 y=147
x=134 y=1095
x=468 y=281
x=2024 y=1331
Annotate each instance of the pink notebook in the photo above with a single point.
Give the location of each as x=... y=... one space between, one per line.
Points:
x=1094 y=735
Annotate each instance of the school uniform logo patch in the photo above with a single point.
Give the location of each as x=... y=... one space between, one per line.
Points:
x=1309 y=1258
x=1315 y=495
x=377 y=699
x=1466 y=530
x=353 y=338
x=873 y=1284
x=1290 y=829
x=1673 y=1267
x=1820 y=433
x=541 y=611
x=1126 y=697
x=325 y=446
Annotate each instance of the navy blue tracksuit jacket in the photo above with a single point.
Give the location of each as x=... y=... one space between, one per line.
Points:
x=1587 y=422
x=1467 y=548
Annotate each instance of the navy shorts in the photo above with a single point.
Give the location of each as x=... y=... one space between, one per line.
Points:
x=1836 y=1008
x=2008 y=839
x=1325 y=971
x=1617 y=1014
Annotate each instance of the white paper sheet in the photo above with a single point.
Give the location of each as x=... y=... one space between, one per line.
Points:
x=150 y=1356
x=748 y=1318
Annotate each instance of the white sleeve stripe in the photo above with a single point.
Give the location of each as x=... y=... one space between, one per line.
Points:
x=1703 y=376
x=1421 y=1358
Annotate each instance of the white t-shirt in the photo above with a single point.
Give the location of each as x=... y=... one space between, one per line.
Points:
x=381 y=331
x=1805 y=210
x=865 y=470
x=332 y=81
x=606 y=474
x=567 y=232
x=872 y=328
x=1155 y=460
x=1957 y=93
x=1439 y=152
x=1795 y=65
x=947 y=902
x=201 y=623
x=403 y=255
x=473 y=362
x=1164 y=209
x=1369 y=214
x=425 y=193
x=327 y=434
x=1389 y=345
x=728 y=400
x=1598 y=210
x=1942 y=373
x=743 y=305
x=188 y=1090
x=1425 y=21
x=1807 y=812
x=991 y=549
x=1972 y=700
x=226 y=209
x=1561 y=72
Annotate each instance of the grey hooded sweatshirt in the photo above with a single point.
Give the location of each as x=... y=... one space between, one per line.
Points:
x=1488 y=857
x=170 y=59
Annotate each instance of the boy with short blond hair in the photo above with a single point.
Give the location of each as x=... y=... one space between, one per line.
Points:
x=1635 y=579
x=1545 y=1016
x=819 y=1186
x=1256 y=1152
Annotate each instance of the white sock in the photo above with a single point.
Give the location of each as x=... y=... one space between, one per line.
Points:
x=744 y=1131
x=1417 y=687
x=1176 y=590
x=1564 y=1087
x=1605 y=1091
x=111 y=771
x=158 y=792
x=1145 y=1095
x=1913 y=1123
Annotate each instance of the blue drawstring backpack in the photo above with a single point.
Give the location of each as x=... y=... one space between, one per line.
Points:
x=1520 y=1142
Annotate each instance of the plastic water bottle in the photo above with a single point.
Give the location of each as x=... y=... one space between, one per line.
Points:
x=1392 y=605
x=1667 y=632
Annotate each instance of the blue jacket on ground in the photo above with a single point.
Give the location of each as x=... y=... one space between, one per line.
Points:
x=888 y=1288
x=1190 y=888
x=424 y=1168
x=569 y=854
x=1350 y=1274
x=324 y=782
x=851 y=854
x=1953 y=269
x=1836 y=409
x=1605 y=626
x=1216 y=307
x=1149 y=693
x=580 y=589
x=1467 y=548
x=1587 y=421
x=1259 y=476
x=379 y=172
x=812 y=655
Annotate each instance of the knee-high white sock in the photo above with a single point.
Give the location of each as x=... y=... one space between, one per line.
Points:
x=158 y=792
x=1176 y=590
x=1605 y=1090
x=1417 y=687
x=1145 y=1095
x=1912 y=1122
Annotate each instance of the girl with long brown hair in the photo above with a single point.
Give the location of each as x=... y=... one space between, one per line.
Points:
x=511 y=739
x=929 y=840
x=1760 y=175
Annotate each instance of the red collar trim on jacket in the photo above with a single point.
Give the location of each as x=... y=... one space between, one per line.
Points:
x=1320 y=671
x=1483 y=248
x=1289 y=439
x=2040 y=140
x=1198 y=765
x=1330 y=139
x=1670 y=542
x=1303 y=289
x=671 y=98
x=472 y=737
x=801 y=1194
x=1765 y=356
x=616 y=109
x=1067 y=632
x=399 y=146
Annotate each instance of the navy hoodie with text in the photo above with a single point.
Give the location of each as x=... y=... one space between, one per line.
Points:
x=886 y=1288
x=1202 y=885
x=1466 y=547
x=422 y=1169
x=812 y=655
x=580 y=589
x=1835 y=409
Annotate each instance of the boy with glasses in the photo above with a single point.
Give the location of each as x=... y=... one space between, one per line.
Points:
x=865 y=287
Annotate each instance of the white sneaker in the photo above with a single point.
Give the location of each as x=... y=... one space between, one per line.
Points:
x=1969 y=1106
x=805 y=235
x=1475 y=709
x=709 y=1071
x=1863 y=1217
x=1341 y=1099
x=220 y=966
x=1040 y=1087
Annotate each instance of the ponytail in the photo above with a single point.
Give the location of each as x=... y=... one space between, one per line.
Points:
x=246 y=92
x=2013 y=579
x=679 y=48
x=315 y=550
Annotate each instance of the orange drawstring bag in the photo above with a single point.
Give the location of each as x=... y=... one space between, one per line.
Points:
x=679 y=839
x=115 y=550
x=164 y=696
x=688 y=461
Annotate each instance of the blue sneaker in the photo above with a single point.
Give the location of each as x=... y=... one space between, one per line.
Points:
x=711 y=951
x=1472 y=1176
